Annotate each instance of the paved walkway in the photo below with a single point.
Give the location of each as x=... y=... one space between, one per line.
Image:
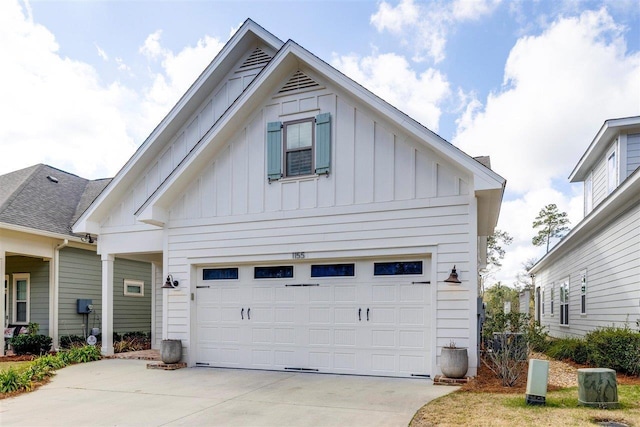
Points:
x=126 y=393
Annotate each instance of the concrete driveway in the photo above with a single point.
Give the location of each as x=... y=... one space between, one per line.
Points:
x=125 y=393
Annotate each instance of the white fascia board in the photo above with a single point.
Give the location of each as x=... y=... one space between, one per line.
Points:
x=83 y=225
x=29 y=230
x=599 y=145
x=623 y=197
x=193 y=97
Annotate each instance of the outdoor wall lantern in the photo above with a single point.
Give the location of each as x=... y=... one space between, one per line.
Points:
x=170 y=283
x=453 y=277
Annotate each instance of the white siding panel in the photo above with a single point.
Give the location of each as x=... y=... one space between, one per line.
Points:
x=633 y=152
x=599 y=182
x=344 y=148
x=240 y=172
x=223 y=183
x=192 y=134
x=404 y=179
x=383 y=164
x=364 y=158
x=611 y=258
x=179 y=150
x=256 y=165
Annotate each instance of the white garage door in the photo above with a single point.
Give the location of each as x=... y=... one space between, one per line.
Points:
x=365 y=317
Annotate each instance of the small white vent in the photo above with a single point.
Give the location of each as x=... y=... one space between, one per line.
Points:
x=258 y=58
x=298 y=81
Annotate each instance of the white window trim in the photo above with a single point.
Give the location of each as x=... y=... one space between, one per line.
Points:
x=564 y=302
x=551 y=298
x=612 y=186
x=312 y=149
x=14 y=305
x=583 y=292
x=588 y=194
x=131 y=282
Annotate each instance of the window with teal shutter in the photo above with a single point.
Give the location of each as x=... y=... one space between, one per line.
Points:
x=274 y=151
x=323 y=144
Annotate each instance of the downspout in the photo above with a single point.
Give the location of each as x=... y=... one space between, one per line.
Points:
x=53 y=319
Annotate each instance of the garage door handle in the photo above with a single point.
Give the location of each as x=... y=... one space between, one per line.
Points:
x=242 y=314
x=249 y=313
x=367 y=314
x=359 y=313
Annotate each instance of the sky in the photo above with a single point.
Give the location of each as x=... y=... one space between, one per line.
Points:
x=527 y=82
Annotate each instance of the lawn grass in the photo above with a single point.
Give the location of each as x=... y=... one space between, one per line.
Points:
x=17 y=365
x=561 y=409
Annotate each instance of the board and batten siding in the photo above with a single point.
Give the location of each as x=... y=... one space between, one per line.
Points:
x=600 y=182
x=156 y=334
x=194 y=128
x=81 y=278
x=633 y=152
x=611 y=259
x=38 y=271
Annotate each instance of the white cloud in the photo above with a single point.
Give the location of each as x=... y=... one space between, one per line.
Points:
x=391 y=77
x=60 y=112
x=559 y=87
x=55 y=106
x=426 y=26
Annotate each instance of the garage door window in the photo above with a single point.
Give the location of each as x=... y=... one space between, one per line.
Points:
x=278 y=272
x=397 y=268
x=220 y=274
x=333 y=270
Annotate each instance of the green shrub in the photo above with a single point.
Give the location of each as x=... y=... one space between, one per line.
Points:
x=614 y=348
x=31 y=344
x=70 y=341
x=568 y=348
x=50 y=361
x=84 y=354
x=12 y=380
x=537 y=337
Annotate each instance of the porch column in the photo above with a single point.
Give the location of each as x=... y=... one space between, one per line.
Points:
x=2 y=313
x=107 y=304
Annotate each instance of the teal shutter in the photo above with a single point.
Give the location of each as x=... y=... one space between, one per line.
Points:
x=274 y=151
x=323 y=144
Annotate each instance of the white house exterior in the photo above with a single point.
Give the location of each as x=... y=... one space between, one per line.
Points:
x=591 y=278
x=309 y=224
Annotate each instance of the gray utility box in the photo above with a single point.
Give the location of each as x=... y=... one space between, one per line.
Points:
x=85 y=306
x=537 y=379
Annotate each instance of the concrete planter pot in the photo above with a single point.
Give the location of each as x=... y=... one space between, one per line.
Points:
x=454 y=362
x=171 y=351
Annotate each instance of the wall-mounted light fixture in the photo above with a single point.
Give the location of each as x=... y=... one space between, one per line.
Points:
x=88 y=238
x=170 y=283
x=453 y=277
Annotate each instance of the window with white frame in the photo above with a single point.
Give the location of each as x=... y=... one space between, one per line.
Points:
x=588 y=194
x=298 y=147
x=553 y=295
x=564 y=302
x=612 y=172
x=134 y=288
x=583 y=292
x=21 y=294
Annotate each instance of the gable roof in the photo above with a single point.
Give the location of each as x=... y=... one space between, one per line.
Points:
x=44 y=198
x=245 y=38
x=488 y=185
x=599 y=145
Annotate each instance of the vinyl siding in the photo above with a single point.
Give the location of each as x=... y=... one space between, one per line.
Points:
x=81 y=278
x=599 y=182
x=611 y=258
x=633 y=152
x=38 y=288
x=131 y=313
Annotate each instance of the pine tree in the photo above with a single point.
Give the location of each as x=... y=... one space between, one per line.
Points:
x=550 y=223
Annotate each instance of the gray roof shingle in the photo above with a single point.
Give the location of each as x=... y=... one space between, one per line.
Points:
x=46 y=198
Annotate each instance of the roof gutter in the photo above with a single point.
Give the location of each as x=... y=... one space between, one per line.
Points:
x=23 y=229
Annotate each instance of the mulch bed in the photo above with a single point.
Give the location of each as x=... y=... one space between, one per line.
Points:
x=487 y=382
x=17 y=358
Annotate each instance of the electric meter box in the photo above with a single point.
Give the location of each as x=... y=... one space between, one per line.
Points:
x=85 y=306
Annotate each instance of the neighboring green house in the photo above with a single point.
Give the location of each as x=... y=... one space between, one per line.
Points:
x=47 y=268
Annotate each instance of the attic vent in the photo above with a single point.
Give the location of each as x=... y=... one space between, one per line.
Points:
x=298 y=81
x=257 y=58
x=52 y=179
